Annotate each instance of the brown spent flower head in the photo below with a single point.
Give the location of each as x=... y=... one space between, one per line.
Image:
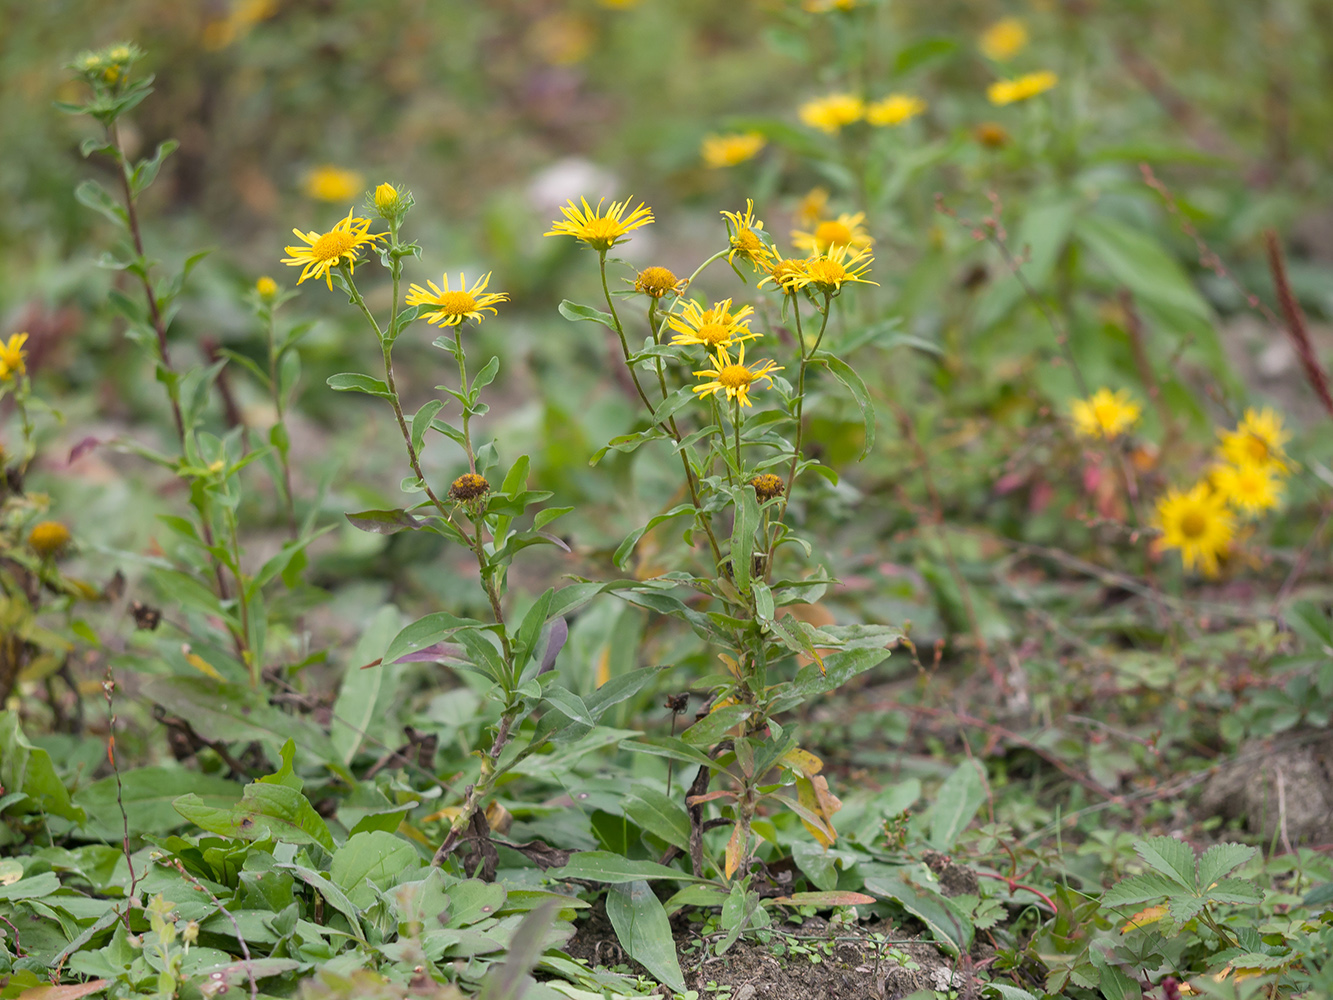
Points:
x=48 y=538
x=656 y=282
x=469 y=488
x=767 y=486
x=992 y=135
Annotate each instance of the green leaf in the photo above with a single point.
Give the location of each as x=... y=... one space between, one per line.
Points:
x=642 y=927
x=958 y=800
x=1170 y=857
x=671 y=747
x=356 y=382
x=147 y=794
x=421 y=422
x=836 y=897
x=1115 y=985
x=1005 y=992
x=265 y=811
x=632 y=539
x=1220 y=860
x=845 y=374
x=604 y=866
x=1235 y=890
x=473 y=900
x=335 y=896
x=94 y=196
x=742 y=535
x=710 y=728
x=660 y=815
x=509 y=980
x=574 y=312
x=26 y=769
x=1140 y=889
x=920 y=53
x=425 y=632
x=1139 y=262
x=950 y=928
x=383 y=522
x=32 y=887
x=1041 y=237
x=378 y=858
x=364 y=694
x=145 y=171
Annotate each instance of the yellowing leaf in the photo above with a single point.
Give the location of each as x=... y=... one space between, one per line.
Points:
x=803 y=762
x=1143 y=918
x=203 y=666
x=735 y=846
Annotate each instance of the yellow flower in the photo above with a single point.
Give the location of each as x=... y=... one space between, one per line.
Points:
x=714 y=328
x=1004 y=39
x=328 y=250
x=618 y=4
x=1251 y=489
x=657 y=282
x=844 y=231
x=789 y=275
x=829 y=271
x=832 y=112
x=266 y=287
x=811 y=208
x=48 y=538
x=743 y=230
x=1021 y=88
x=600 y=231
x=12 y=355
x=894 y=109
x=1198 y=524
x=730 y=149
x=734 y=377
x=1105 y=414
x=328 y=183
x=1258 y=440
x=456 y=305
x=824 y=6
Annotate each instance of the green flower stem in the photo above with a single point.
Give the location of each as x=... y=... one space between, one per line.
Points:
x=279 y=405
x=736 y=425
x=671 y=427
x=461 y=358
x=252 y=662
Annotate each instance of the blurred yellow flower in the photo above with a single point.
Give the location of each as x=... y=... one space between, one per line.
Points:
x=1021 y=88
x=743 y=231
x=328 y=183
x=48 y=538
x=561 y=39
x=266 y=287
x=340 y=245
x=824 y=6
x=811 y=208
x=1198 y=524
x=832 y=269
x=832 y=112
x=657 y=282
x=1105 y=414
x=728 y=150
x=618 y=4
x=1004 y=39
x=894 y=109
x=453 y=306
x=244 y=15
x=734 y=377
x=844 y=231
x=1258 y=440
x=1250 y=489
x=600 y=231
x=714 y=327
x=12 y=355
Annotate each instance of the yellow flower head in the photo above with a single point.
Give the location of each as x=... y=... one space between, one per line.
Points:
x=1250 y=489
x=325 y=251
x=894 y=109
x=824 y=6
x=600 y=231
x=713 y=328
x=1004 y=39
x=743 y=230
x=12 y=357
x=1105 y=414
x=789 y=275
x=1021 y=88
x=391 y=202
x=812 y=207
x=266 y=287
x=453 y=306
x=728 y=150
x=735 y=378
x=832 y=112
x=1198 y=524
x=48 y=538
x=1258 y=440
x=657 y=282
x=829 y=271
x=844 y=231
x=329 y=183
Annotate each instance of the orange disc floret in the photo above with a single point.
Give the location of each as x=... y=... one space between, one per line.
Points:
x=656 y=282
